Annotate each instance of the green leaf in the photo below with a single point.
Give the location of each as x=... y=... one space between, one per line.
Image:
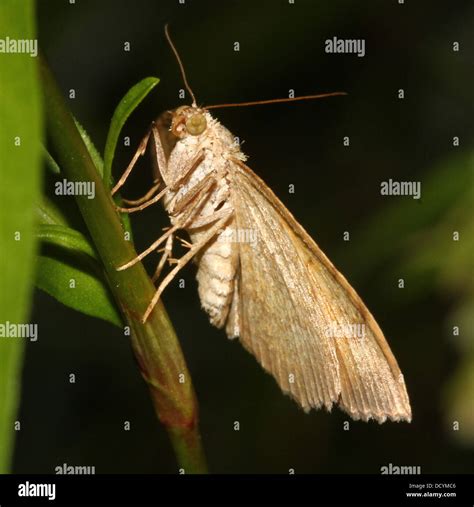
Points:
x=67 y=238
x=48 y=213
x=68 y=255
x=99 y=164
x=20 y=158
x=95 y=155
x=126 y=106
x=78 y=286
x=51 y=164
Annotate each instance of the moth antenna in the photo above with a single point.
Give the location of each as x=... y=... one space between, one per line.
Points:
x=274 y=101
x=176 y=54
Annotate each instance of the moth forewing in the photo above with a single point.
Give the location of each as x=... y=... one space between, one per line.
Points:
x=291 y=297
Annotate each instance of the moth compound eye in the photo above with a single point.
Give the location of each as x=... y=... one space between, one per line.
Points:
x=196 y=124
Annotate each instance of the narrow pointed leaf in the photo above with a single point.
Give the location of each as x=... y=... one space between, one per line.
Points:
x=79 y=288
x=67 y=238
x=125 y=108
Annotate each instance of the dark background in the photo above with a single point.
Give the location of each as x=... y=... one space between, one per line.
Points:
x=408 y=46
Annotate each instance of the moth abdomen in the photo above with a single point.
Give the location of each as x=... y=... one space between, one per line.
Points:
x=216 y=276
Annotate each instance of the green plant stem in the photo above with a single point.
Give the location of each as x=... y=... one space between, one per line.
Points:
x=155 y=343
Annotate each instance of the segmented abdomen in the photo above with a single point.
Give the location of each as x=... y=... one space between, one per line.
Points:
x=217 y=265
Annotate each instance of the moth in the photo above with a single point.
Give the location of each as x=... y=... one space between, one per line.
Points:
x=261 y=277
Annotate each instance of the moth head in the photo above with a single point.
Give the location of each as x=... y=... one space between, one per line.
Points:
x=188 y=120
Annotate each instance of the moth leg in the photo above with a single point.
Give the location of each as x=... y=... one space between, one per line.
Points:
x=208 y=219
x=177 y=206
x=145 y=198
x=167 y=251
x=186 y=244
x=180 y=224
x=158 y=151
x=140 y=151
x=183 y=261
x=157 y=197
x=218 y=213
x=145 y=204
x=200 y=223
x=187 y=172
x=152 y=247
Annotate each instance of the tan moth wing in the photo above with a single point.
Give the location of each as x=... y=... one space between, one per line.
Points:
x=288 y=295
